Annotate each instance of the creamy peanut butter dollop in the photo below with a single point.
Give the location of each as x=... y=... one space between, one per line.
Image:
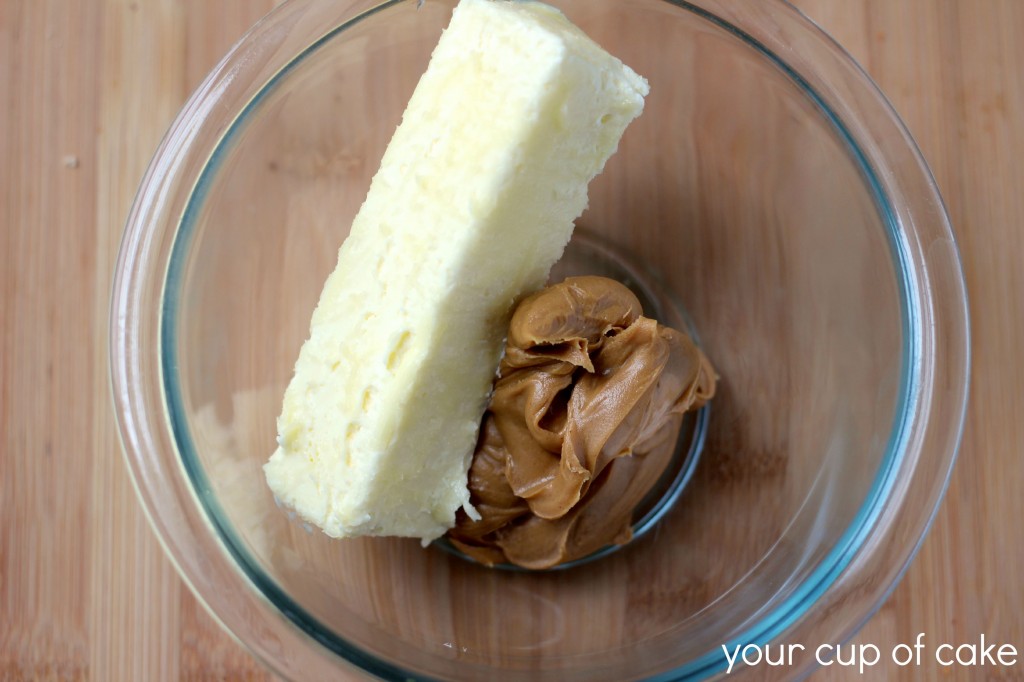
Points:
x=583 y=421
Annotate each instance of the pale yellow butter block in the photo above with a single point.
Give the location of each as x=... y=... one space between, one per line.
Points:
x=474 y=201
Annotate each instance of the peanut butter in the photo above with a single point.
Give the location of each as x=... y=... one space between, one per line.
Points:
x=583 y=421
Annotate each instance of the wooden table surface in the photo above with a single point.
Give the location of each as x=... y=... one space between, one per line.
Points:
x=87 y=90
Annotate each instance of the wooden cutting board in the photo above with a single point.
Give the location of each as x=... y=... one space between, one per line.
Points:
x=87 y=89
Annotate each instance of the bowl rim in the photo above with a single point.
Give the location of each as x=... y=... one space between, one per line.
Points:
x=935 y=325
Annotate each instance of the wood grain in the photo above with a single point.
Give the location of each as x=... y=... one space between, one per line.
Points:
x=952 y=70
x=88 y=89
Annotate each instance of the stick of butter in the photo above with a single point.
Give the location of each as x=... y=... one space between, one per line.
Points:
x=473 y=203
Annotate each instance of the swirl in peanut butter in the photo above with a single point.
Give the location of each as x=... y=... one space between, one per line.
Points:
x=583 y=421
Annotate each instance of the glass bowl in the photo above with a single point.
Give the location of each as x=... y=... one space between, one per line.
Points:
x=775 y=195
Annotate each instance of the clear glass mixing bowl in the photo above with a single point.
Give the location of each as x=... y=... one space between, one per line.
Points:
x=769 y=187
